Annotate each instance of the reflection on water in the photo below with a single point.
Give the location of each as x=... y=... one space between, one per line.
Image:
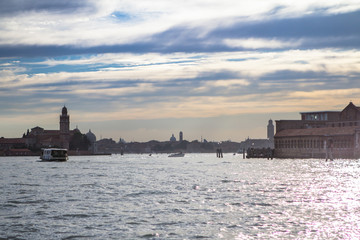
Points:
x=198 y=196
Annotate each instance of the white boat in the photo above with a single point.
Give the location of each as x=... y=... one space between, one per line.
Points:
x=54 y=154
x=180 y=154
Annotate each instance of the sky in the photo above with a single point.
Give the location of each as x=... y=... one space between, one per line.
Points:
x=143 y=70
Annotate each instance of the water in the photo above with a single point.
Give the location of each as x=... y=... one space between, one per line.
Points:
x=195 y=197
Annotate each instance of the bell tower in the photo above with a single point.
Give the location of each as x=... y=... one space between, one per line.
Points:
x=270 y=130
x=64 y=121
x=64 y=128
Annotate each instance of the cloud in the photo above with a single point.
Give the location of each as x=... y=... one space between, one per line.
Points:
x=46 y=35
x=168 y=70
x=191 y=83
x=254 y=43
x=125 y=60
x=9 y=8
x=299 y=27
x=304 y=32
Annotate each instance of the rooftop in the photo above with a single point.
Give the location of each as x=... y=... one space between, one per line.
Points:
x=321 y=112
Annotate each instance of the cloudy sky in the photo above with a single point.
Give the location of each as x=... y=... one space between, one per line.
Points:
x=142 y=70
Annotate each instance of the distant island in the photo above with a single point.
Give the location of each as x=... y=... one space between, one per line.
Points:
x=31 y=143
x=110 y=146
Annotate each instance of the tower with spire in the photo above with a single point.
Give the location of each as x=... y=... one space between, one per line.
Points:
x=64 y=128
x=270 y=130
x=64 y=121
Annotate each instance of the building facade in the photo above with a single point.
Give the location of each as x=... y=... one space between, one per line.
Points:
x=328 y=134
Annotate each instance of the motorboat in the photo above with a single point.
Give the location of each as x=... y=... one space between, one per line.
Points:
x=54 y=154
x=180 y=154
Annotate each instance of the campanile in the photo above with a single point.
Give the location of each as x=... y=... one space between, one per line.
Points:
x=64 y=121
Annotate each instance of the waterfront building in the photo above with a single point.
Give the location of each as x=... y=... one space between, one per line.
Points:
x=326 y=134
x=173 y=138
x=181 y=136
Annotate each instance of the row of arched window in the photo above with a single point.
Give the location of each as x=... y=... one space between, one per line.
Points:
x=313 y=143
x=344 y=124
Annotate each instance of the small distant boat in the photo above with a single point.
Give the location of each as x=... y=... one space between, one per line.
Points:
x=54 y=154
x=180 y=154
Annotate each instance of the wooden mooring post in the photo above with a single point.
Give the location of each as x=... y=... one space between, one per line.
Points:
x=219 y=153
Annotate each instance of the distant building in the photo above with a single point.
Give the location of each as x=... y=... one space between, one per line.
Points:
x=92 y=138
x=270 y=130
x=172 y=139
x=320 y=135
x=181 y=136
x=260 y=143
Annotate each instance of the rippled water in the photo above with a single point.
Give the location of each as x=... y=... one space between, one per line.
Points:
x=198 y=196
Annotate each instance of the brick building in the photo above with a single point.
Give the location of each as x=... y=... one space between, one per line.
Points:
x=38 y=138
x=328 y=134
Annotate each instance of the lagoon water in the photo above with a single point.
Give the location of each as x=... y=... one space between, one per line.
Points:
x=197 y=196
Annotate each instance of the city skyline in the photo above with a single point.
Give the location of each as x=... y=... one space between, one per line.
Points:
x=145 y=70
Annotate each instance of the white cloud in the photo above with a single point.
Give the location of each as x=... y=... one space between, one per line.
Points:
x=92 y=28
x=157 y=68
x=258 y=43
x=111 y=87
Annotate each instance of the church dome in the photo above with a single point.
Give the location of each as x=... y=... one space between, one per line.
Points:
x=64 y=111
x=91 y=136
x=173 y=139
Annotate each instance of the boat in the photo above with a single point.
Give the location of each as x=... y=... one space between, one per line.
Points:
x=54 y=154
x=180 y=154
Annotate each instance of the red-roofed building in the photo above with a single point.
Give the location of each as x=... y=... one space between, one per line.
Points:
x=327 y=134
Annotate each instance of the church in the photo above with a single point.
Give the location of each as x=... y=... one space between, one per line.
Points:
x=39 y=137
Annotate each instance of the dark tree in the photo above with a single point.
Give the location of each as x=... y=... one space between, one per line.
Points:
x=79 y=142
